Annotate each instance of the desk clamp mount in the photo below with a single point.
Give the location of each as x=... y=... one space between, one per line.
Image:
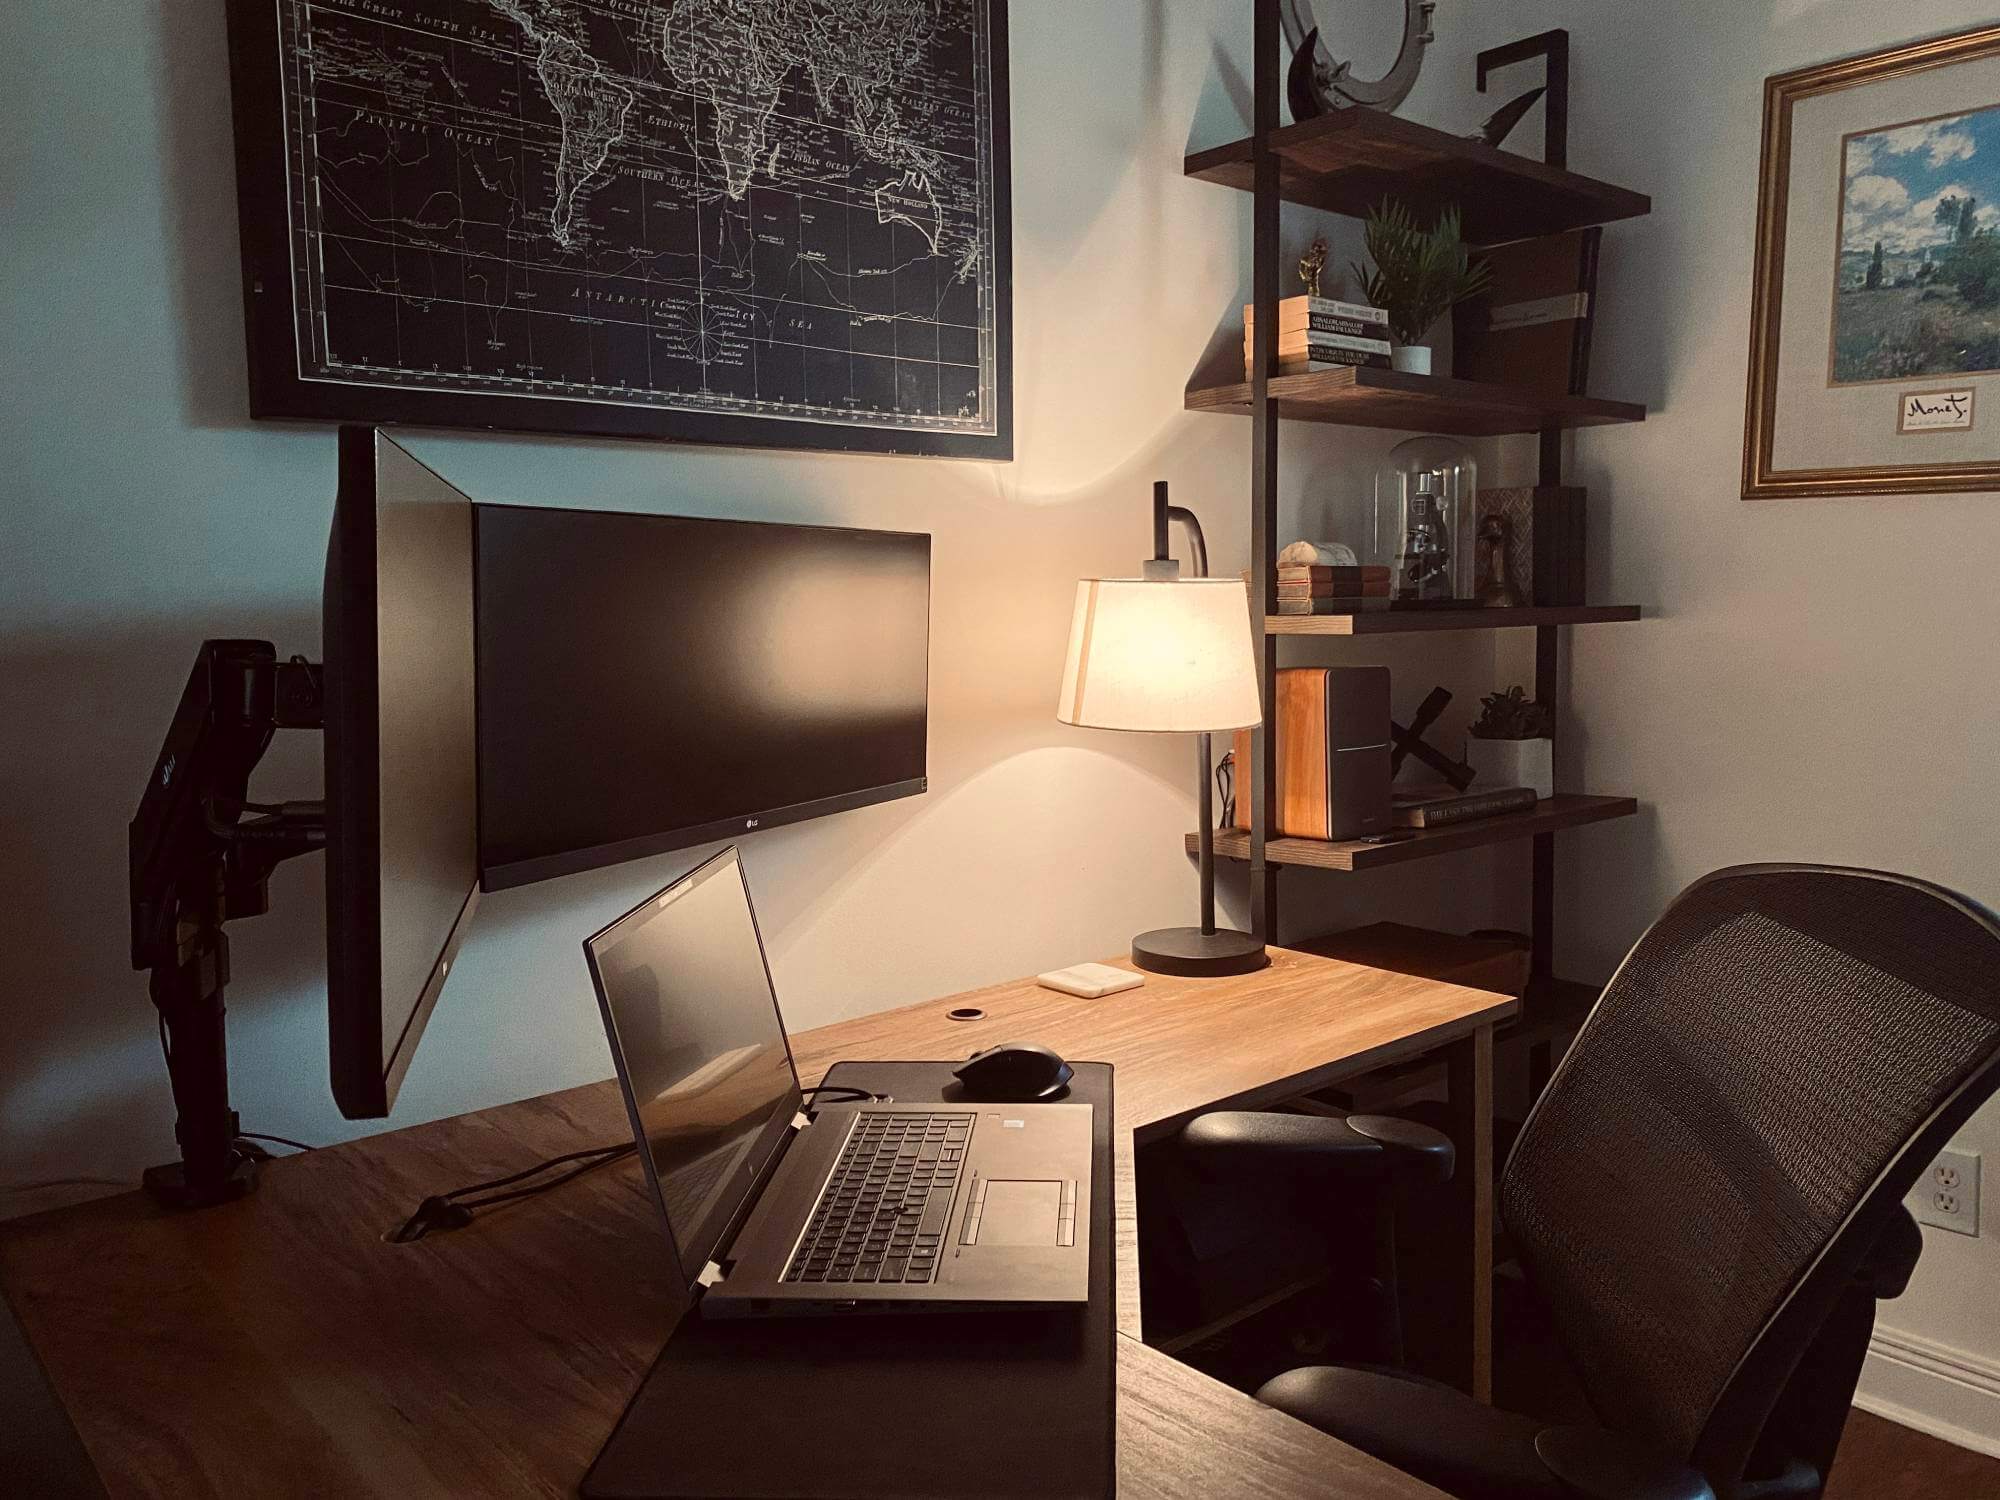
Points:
x=201 y=856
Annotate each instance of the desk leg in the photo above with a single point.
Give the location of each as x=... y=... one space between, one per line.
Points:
x=1469 y=1075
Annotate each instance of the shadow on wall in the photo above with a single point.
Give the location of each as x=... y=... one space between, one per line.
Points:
x=76 y=1009
x=197 y=164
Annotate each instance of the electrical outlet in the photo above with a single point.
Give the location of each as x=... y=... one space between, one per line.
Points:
x=1947 y=1195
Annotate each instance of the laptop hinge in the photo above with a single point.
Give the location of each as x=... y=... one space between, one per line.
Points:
x=711 y=1275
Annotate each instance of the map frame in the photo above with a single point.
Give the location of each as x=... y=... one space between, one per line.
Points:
x=279 y=392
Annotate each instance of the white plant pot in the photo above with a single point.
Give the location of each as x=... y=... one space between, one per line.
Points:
x=1411 y=359
x=1498 y=763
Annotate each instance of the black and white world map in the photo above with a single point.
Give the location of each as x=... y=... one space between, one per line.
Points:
x=757 y=207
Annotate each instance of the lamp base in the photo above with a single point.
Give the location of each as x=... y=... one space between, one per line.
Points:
x=1196 y=954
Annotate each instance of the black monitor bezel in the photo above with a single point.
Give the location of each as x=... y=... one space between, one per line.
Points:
x=365 y=1080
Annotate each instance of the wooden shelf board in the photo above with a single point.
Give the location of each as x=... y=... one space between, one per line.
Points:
x=1549 y=816
x=1410 y=621
x=1347 y=162
x=1364 y=397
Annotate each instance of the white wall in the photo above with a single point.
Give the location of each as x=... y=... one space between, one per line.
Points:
x=144 y=511
x=1815 y=680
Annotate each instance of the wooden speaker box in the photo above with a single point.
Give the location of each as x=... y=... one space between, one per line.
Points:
x=1333 y=754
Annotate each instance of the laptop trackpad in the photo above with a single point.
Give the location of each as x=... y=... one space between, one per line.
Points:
x=1020 y=1213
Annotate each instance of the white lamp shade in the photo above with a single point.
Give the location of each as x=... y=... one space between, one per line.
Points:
x=1172 y=657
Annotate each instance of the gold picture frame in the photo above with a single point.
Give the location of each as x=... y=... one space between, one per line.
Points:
x=1766 y=474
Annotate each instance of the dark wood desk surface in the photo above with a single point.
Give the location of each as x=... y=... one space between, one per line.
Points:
x=281 y=1346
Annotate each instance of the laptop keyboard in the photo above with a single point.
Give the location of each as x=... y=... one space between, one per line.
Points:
x=883 y=1214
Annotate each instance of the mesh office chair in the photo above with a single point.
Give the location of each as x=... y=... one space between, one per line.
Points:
x=1707 y=1200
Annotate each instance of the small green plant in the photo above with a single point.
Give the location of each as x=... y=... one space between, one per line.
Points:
x=1419 y=274
x=1513 y=715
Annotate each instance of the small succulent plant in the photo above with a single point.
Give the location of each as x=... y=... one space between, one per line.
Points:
x=1513 y=715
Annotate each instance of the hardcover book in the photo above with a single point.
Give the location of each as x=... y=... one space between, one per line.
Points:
x=1531 y=328
x=1430 y=807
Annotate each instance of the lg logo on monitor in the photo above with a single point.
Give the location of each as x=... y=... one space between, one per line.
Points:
x=752 y=822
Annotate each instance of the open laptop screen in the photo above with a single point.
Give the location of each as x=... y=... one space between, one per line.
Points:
x=699 y=1047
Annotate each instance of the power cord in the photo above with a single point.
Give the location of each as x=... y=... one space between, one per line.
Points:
x=454 y=1209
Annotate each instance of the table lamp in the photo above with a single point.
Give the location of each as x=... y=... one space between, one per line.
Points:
x=1163 y=654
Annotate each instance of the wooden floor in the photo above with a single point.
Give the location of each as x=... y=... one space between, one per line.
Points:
x=1880 y=1460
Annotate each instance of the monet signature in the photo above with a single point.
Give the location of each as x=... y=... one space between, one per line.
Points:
x=1952 y=407
x=1936 y=411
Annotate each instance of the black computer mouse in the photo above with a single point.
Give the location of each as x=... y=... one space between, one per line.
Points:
x=1014 y=1073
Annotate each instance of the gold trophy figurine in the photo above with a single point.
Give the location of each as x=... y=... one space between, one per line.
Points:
x=1312 y=263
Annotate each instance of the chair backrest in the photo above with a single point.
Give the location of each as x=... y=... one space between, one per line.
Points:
x=1762 y=1081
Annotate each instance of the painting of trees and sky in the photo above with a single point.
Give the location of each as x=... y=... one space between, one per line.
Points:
x=1918 y=291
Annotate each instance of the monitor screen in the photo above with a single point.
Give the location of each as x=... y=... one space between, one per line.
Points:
x=701 y=1052
x=401 y=794
x=651 y=682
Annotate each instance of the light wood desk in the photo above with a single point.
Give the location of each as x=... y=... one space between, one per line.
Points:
x=281 y=1346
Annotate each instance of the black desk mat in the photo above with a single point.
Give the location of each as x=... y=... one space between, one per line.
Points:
x=919 y=1406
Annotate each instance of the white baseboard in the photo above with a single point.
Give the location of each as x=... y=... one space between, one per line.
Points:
x=1948 y=1393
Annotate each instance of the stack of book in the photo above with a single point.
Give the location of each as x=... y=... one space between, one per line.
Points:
x=1322 y=590
x=1320 y=333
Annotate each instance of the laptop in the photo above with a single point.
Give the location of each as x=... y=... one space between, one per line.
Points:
x=777 y=1206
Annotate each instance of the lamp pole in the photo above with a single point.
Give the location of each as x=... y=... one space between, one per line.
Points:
x=1204 y=750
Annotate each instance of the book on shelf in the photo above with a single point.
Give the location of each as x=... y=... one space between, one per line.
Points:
x=1440 y=807
x=1324 y=577
x=1377 y=590
x=1315 y=324
x=1531 y=327
x=1340 y=604
x=1317 y=345
x=1309 y=366
x=1297 y=312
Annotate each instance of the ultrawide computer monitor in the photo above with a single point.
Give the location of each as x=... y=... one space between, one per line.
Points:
x=650 y=682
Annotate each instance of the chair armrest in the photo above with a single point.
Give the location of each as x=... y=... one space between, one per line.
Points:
x=1358 y=1148
x=1593 y=1464
x=1470 y=1450
x=1893 y=1257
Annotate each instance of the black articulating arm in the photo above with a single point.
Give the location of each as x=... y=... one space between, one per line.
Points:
x=201 y=854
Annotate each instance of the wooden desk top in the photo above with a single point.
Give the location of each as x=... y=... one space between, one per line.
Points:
x=280 y=1345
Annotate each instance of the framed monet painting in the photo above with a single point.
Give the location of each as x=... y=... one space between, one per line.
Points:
x=1875 y=319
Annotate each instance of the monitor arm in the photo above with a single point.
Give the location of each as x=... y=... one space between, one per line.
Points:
x=201 y=854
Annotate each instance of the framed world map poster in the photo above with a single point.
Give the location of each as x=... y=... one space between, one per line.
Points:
x=1875 y=324
x=775 y=223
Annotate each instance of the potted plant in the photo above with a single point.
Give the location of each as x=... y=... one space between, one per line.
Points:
x=1511 y=743
x=1418 y=277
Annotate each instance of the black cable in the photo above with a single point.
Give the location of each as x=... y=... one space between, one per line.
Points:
x=840 y=1088
x=453 y=1209
x=251 y=1135
x=1225 y=788
x=615 y=1154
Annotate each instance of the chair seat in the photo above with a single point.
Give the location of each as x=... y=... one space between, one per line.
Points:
x=1432 y=1431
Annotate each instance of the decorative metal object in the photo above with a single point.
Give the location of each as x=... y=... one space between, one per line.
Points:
x=1553 y=48
x=1319 y=84
x=1500 y=124
x=1408 y=742
x=1496 y=588
x=1313 y=264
